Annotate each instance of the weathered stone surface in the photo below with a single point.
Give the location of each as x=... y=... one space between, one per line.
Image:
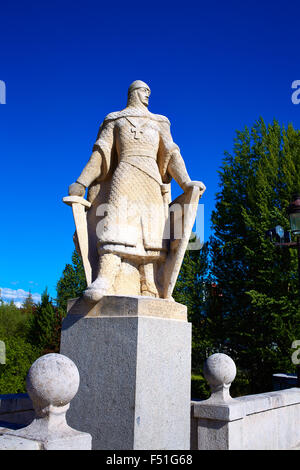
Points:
x=284 y=381
x=266 y=421
x=123 y=230
x=16 y=409
x=121 y=306
x=220 y=371
x=52 y=382
x=135 y=379
x=8 y=442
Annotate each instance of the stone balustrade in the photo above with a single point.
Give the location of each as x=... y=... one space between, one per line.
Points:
x=16 y=409
x=267 y=421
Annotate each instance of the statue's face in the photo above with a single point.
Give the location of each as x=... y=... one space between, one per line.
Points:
x=143 y=95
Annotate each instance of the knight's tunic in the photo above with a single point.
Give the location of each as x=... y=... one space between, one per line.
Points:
x=131 y=165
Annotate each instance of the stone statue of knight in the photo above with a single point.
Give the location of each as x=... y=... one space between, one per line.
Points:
x=128 y=178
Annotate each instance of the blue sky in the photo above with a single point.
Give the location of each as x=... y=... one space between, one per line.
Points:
x=213 y=67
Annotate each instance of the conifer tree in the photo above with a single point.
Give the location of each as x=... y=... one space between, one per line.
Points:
x=191 y=289
x=72 y=282
x=45 y=325
x=28 y=305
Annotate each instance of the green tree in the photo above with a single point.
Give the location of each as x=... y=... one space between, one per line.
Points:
x=259 y=309
x=13 y=320
x=19 y=357
x=72 y=282
x=45 y=325
x=191 y=289
x=19 y=353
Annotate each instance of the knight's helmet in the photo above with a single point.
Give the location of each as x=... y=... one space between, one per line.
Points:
x=132 y=97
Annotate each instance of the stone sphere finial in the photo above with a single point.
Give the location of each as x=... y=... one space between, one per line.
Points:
x=220 y=371
x=53 y=380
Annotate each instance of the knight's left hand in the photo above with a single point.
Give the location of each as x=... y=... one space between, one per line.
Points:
x=199 y=185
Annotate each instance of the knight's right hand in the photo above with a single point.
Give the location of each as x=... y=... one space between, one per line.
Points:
x=76 y=189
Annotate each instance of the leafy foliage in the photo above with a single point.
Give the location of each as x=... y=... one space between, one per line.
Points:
x=27 y=332
x=13 y=321
x=199 y=387
x=260 y=300
x=14 y=327
x=19 y=357
x=192 y=289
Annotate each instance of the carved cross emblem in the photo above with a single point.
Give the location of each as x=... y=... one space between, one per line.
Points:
x=136 y=128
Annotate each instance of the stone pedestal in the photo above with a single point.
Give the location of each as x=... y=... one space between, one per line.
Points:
x=134 y=359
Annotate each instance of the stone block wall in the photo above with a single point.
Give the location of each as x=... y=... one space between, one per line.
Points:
x=16 y=409
x=267 y=421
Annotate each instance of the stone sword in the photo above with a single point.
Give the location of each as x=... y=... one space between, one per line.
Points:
x=79 y=213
